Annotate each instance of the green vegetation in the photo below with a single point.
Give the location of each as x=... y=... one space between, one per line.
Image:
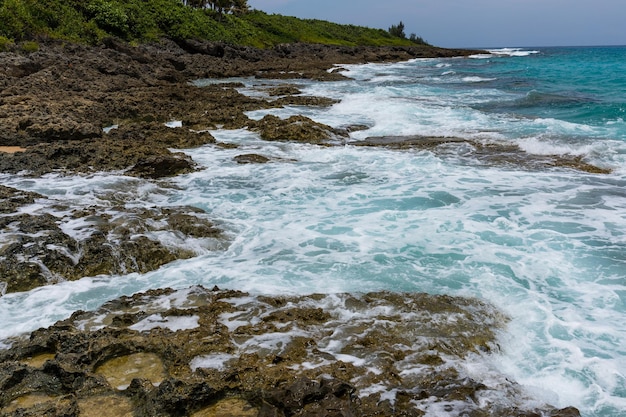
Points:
x=397 y=30
x=5 y=44
x=30 y=46
x=89 y=21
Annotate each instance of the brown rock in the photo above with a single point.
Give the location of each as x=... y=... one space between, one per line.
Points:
x=185 y=360
x=251 y=158
x=160 y=166
x=296 y=129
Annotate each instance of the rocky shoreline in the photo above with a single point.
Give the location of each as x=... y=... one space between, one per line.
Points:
x=70 y=109
x=225 y=353
x=73 y=109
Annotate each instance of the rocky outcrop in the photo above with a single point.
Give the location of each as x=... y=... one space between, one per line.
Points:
x=47 y=245
x=319 y=355
x=297 y=129
x=69 y=91
x=487 y=152
x=251 y=158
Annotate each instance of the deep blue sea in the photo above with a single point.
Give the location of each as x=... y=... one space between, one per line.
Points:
x=546 y=245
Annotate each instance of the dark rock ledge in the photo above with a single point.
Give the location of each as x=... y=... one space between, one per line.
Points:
x=225 y=353
x=487 y=152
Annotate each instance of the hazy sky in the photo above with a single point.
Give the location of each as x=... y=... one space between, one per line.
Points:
x=475 y=23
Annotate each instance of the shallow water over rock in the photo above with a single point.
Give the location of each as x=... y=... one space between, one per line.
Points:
x=120 y=371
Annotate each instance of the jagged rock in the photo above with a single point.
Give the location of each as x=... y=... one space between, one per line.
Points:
x=121 y=149
x=35 y=251
x=284 y=90
x=213 y=350
x=297 y=129
x=304 y=101
x=493 y=153
x=160 y=166
x=12 y=199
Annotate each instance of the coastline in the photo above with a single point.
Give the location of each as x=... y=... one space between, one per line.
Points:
x=71 y=109
x=56 y=103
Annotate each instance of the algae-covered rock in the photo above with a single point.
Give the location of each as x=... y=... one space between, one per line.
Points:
x=163 y=166
x=200 y=353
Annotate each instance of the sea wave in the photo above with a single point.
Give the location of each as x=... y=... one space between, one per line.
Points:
x=517 y=52
x=475 y=79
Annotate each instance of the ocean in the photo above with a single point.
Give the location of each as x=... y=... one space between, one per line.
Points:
x=544 y=244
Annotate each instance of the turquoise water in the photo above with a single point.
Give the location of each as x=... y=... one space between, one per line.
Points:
x=576 y=85
x=545 y=245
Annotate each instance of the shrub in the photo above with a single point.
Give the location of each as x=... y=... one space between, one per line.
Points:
x=15 y=19
x=144 y=20
x=29 y=46
x=5 y=44
x=109 y=16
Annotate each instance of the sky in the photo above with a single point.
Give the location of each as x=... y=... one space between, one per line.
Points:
x=475 y=23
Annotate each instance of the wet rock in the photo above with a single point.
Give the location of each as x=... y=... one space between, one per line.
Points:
x=296 y=129
x=251 y=158
x=304 y=101
x=398 y=354
x=11 y=199
x=489 y=153
x=121 y=149
x=36 y=250
x=55 y=129
x=120 y=371
x=284 y=90
x=160 y=166
x=105 y=406
x=228 y=407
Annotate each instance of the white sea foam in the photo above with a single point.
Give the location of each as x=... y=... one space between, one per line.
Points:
x=174 y=123
x=173 y=323
x=475 y=79
x=107 y=129
x=539 y=146
x=514 y=52
x=216 y=361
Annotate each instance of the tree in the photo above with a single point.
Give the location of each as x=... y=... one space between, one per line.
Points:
x=417 y=39
x=397 y=30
